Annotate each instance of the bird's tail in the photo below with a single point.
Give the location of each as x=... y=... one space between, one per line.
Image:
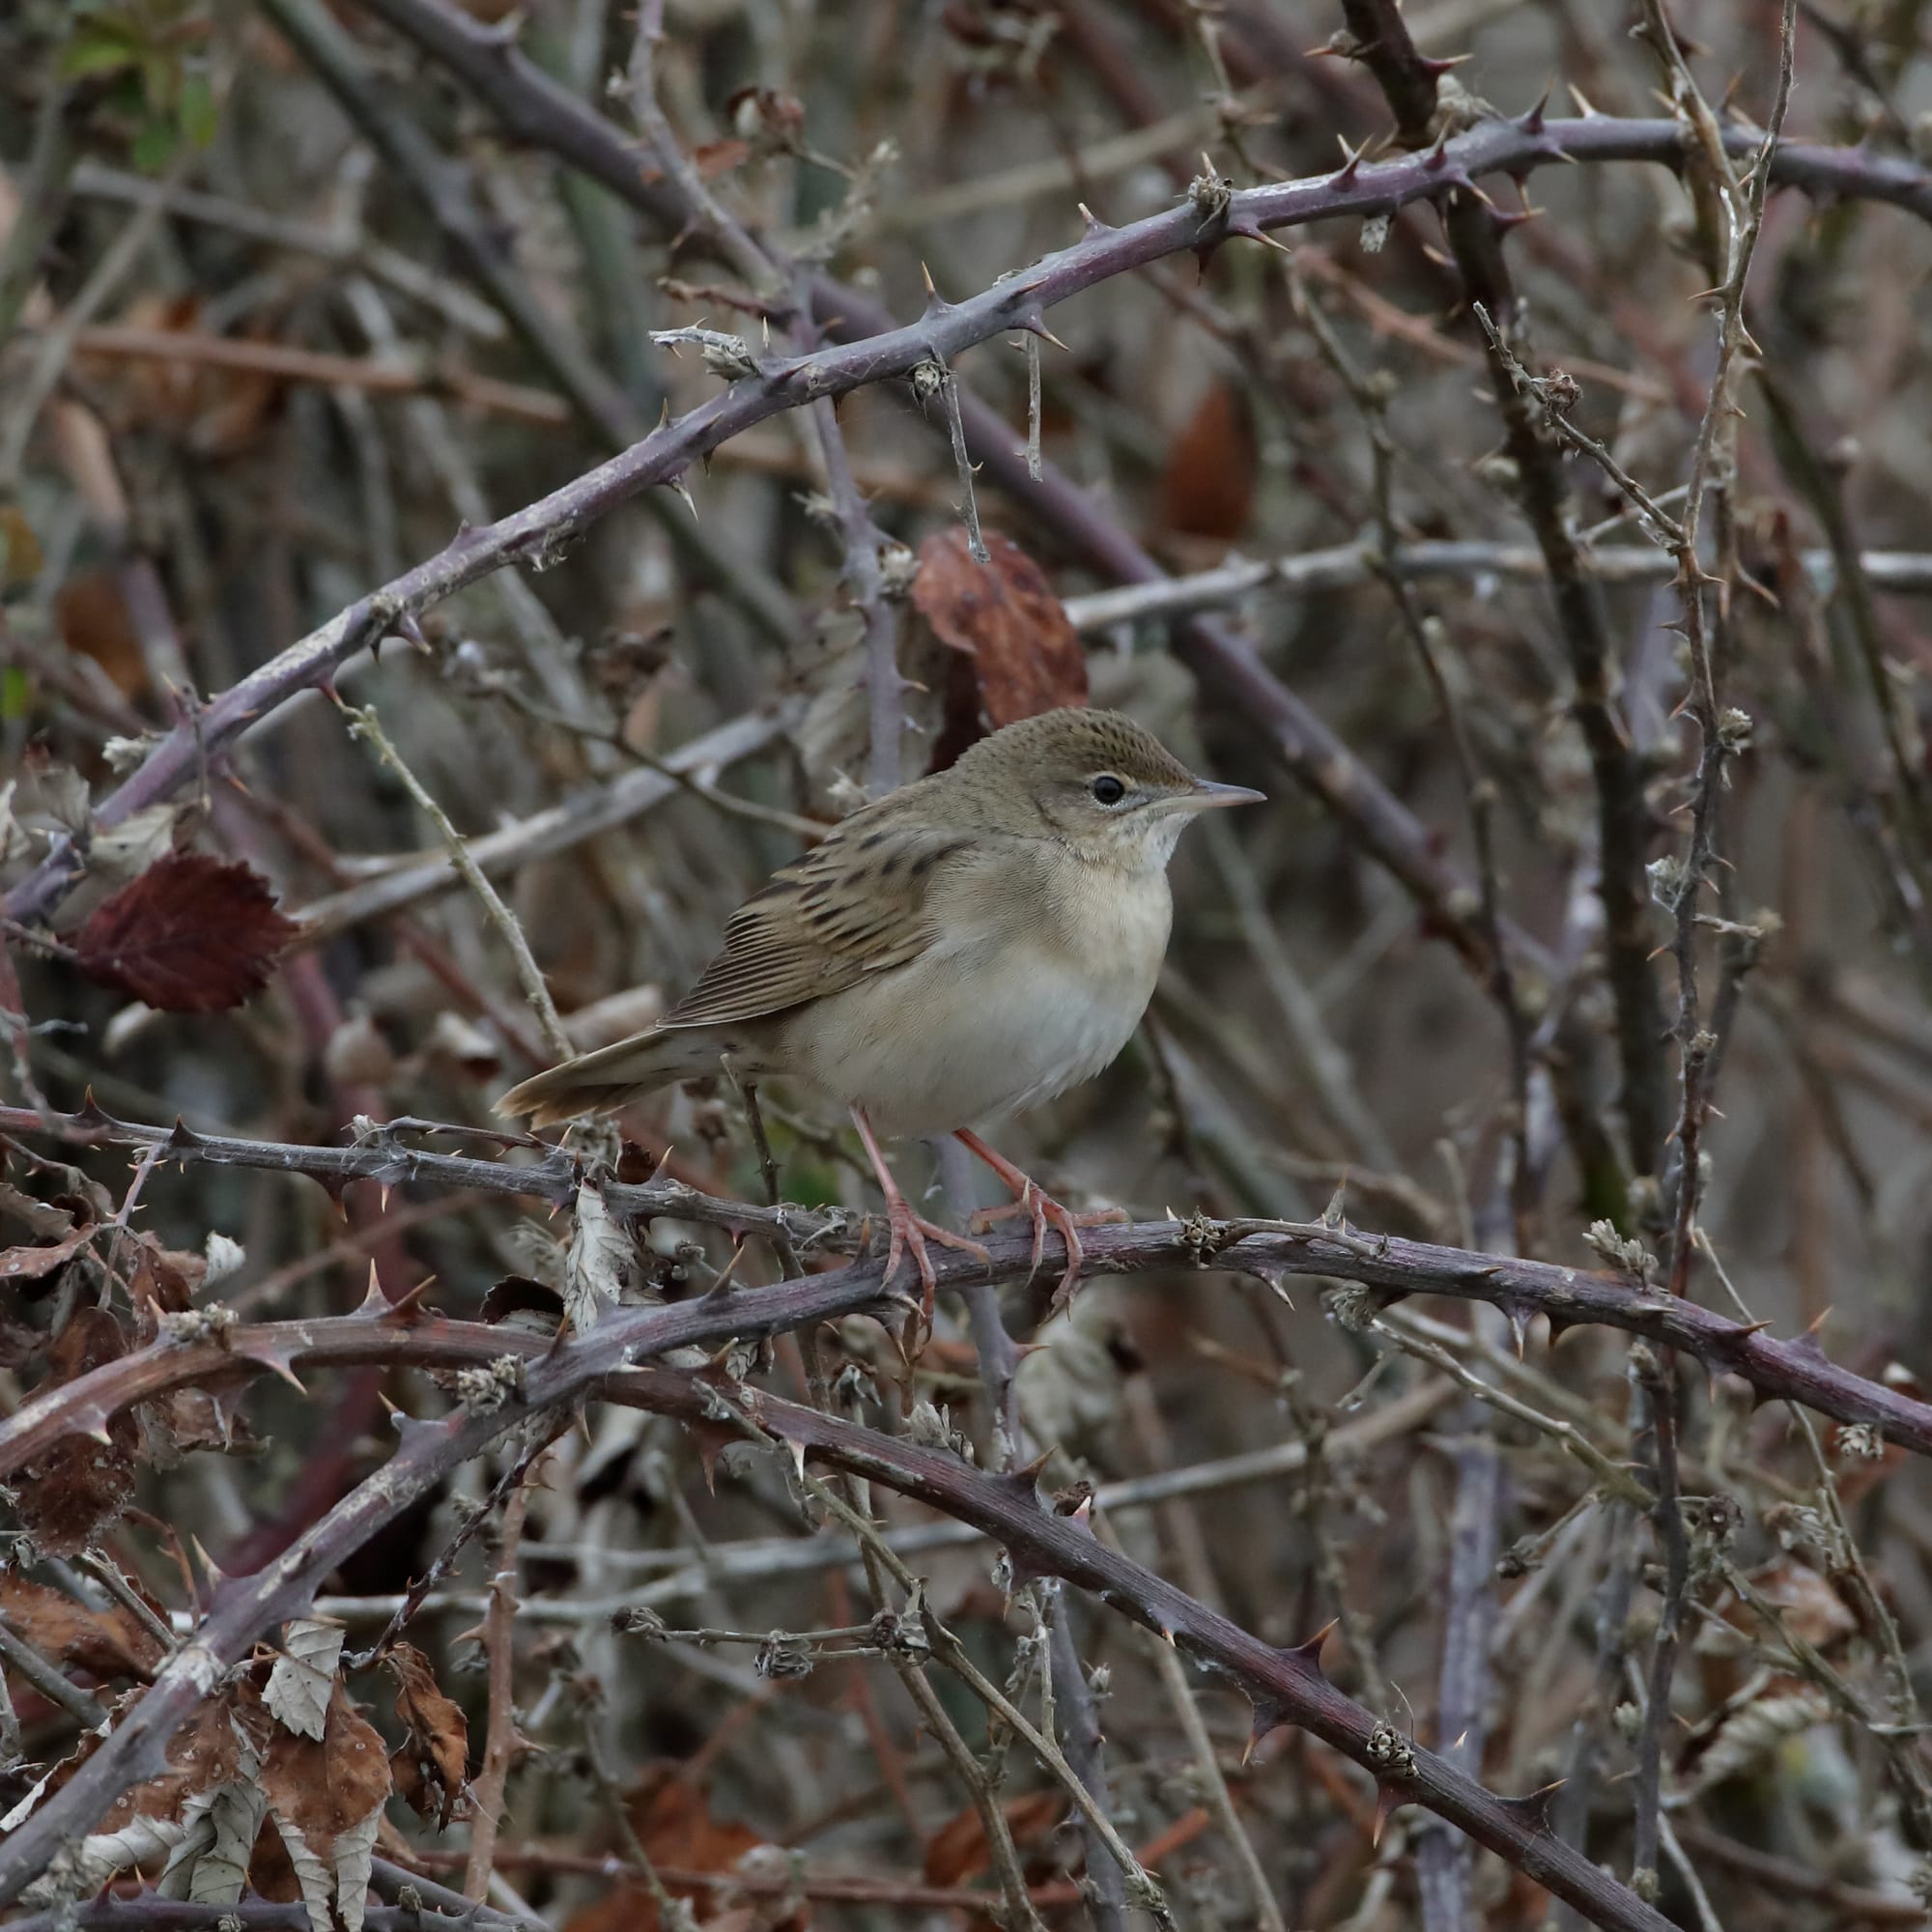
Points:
x=602 y=1082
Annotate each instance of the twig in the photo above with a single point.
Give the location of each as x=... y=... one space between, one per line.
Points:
x=499 y=1738
x=363 y=724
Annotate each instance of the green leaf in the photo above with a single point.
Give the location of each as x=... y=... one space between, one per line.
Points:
x=153 y=147
x=99 y=51
x=16 y=692
x=197 y=113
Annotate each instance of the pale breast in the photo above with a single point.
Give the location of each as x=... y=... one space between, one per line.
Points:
x=1039 y=981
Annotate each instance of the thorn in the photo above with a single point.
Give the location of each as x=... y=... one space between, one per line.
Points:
x=1532 y=1808
x=1532 y=122
x=375 y=1304
x=1335 y=1214
x=274 y=1359
x=404 y=1308
x=1519 y=1321
x=1268 y=1716
x=211 y=1569
x=1386 y=1800
x=1033 y=321
x=1439 y=153
x=1308 y=1653
x=1351 y=162
x=1092 y=222
x=1583 y=108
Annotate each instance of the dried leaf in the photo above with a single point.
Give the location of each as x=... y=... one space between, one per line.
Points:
x=36 y=1263
x=674 y=1825
x=80 y=1484
x=430 y=1766
x=302 y=1682
x=93 y=621
x=1003 y=616
x=599 y=1261
x=210 y=1866
x=165 y=1278
x=192 y=934
x=109 y=1643
x=87 y=1863
x=1207 y=484
x=325 y=1798
x=958 y=1851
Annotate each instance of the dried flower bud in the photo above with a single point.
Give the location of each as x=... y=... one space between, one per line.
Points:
x=638 y=1621
x=781 y=1657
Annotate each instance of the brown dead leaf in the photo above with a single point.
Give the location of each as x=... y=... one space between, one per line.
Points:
x=216 y=408
x=430 y=1766
x=192 y=934
x=110 y=1643
x=93 y=621
x=325 y=1798
x=1811 y=1606
x=957 y=1850
x=188 y=1419
x=203 y=1753
x=1208 y=483
x=674 y=1825
x=165 y=1278
x=1003 y=616
x=325 y=1785
x=81 y=1484
x=36 y=1263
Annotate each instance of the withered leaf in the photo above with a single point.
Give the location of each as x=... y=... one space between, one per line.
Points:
x=430 y=1766
x=81 y=1484
x=165 y=1277
x=326 y=1797
x=1003 y=614
x=302 y=1682
x=193 y=934
x=674 y=1822
x=600 y=1261
x=1207 y=484
x=957 y=1851
x=110 y=1643
x=35 y=1263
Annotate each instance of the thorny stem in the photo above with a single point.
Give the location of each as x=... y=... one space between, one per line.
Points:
x=499 y=1739
x=1657 y=1379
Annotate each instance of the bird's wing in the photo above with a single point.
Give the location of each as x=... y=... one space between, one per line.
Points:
x=856 y=904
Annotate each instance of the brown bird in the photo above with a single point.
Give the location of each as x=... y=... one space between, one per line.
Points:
x=961 y=950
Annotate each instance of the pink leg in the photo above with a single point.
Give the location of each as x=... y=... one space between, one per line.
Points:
x=1041 y=1210
x=910 y=1232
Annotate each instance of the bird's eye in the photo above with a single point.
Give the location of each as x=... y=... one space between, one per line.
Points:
x=1107 y=789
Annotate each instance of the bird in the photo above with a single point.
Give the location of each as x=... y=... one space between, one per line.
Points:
x=962 y=949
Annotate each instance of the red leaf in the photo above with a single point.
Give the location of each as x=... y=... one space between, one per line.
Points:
x=1003 y=614
x=192 y=935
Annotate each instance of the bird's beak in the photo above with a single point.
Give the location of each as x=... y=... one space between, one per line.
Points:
x=1207 y=794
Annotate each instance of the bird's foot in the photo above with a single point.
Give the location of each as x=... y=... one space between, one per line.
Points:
x=1044 y=1213
x=910 y=1232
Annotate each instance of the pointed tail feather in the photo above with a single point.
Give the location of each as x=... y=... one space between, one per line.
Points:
x=604 y=1081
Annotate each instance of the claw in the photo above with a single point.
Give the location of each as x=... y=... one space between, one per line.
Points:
x=1044 y=1211
x=909 y=1232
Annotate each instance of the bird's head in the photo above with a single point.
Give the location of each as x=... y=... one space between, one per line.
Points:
x=1094 y=779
